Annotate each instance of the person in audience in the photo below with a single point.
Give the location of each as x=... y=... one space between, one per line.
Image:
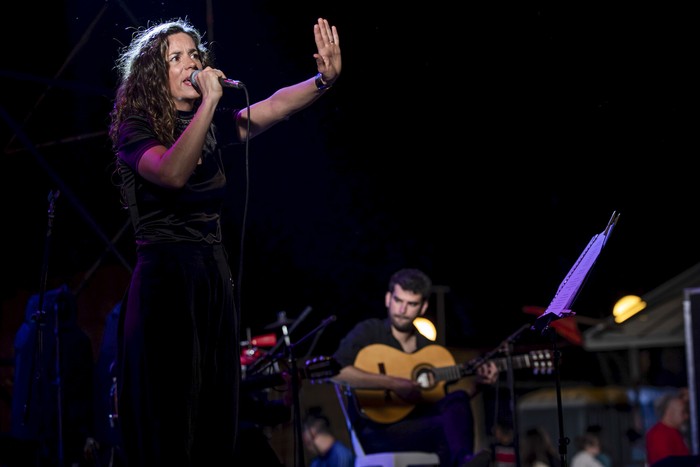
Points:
x=503 y=444
x=320 y=441
x=603 y=456
x=665 y=438
x=588 y=451
x=537 y=450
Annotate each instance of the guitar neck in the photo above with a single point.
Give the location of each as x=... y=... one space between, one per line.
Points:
x=539 y=360
x=519 y=361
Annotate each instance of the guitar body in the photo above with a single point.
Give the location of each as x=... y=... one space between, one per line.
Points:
x=386 y=407
x=432 y=367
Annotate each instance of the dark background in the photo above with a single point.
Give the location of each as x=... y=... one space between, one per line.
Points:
x=484 y=144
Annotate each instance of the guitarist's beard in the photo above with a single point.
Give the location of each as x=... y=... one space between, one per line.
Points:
x=402 y=324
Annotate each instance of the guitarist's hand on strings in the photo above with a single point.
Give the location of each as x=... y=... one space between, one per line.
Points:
x=406 y=389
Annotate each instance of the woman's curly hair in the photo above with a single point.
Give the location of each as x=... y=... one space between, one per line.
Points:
x=143 y=78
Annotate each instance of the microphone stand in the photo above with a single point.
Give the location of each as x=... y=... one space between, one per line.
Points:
x=273 y=356
x=39 y=318
x=289 y=349
x=266 y=360
x=556 y=354
x=507 y=346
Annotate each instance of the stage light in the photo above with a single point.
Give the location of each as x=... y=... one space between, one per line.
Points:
x=626 y=307
x=426 y=327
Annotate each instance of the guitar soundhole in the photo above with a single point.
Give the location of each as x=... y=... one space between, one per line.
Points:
x=425 y=378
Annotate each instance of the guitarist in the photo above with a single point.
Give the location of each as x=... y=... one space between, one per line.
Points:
x=445 y=426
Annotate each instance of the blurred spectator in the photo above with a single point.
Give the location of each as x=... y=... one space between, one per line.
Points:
x=107 y=447
x=665 y=437
x=685 y=429
x=503 y=444
x=321 y=443
x=603 y=457
x=537 y=450
x=588 y=451
x=52 y=391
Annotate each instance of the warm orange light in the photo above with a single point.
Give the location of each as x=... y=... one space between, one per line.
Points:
x=628 y=306
x=426 y=327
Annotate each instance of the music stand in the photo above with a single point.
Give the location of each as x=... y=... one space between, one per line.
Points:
x=560 y=307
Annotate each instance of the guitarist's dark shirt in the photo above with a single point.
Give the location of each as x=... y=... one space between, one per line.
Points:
x=367 y=332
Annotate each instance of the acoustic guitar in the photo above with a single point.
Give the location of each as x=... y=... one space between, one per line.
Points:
x=432 y=367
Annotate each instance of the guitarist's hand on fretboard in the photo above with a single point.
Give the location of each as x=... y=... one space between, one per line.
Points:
x=487 y=373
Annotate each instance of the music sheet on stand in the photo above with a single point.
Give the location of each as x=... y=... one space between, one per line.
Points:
x=561 y=304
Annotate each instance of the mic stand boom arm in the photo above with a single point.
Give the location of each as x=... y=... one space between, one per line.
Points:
x=298 y=441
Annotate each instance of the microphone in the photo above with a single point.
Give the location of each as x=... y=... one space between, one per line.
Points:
x=225 y=82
